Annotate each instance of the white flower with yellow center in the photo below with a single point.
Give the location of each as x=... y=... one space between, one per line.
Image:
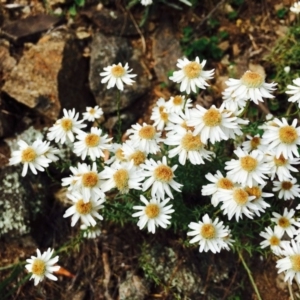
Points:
x=281 y=166
x=191 y=75
x=132 y=153
x=295 y=8
x=155 y=213
x=283 y=138
x=286 y=222
x=85 y=180
x=92 y=144
x=145 y=137
x=290 y=264
x=273 y=239
x=161 y=178
x=117 y=155
x=209 y=234
x=259 y=194
x=178 y=121
x=92 y=113
x=178 y=104
x=232 y=102
x=160 y=114
x=85 y=211
x=288 y=189
x=211 y=123
x=219 y=182
x=248 y=169
x=42 y=266
x=32 y=156
x=251 y=86
x=254 y=143
x=123 y=177
x=294 y=90
x=64 y=129
x=236 y=202
x=116 y=75
x=90 y=232
x=188 y=146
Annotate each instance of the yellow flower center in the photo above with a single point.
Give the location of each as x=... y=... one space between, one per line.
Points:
x=208 y=231
x=185 y=126
x=152 y=210
x=274 y=241
x=147 y=132
x=121 y=178
x=192 y=70
x=212 y=117
x=83 y=208
x=254 y=191
x=252 y=79
x=286 y=185
x=248 y=163
x=255 y=142
x=288 y=135
x=28 y=155
x=280 y=161
x=92 y=140
x=66 y=124
x=163 y=173
x=178 y=100
x=38 y=267
x=92 y=111
x=240 y=196
x=191 y=143
x=295 y=260
x=138 y=157
x=117 y=71
x=90 y=179
x=120 y=155
x=284 y=222
x=225 y=183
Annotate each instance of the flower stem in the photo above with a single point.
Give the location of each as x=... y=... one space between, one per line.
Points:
x=249 y=274
x=119 y=122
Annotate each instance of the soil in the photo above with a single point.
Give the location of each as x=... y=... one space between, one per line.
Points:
x=96 y=268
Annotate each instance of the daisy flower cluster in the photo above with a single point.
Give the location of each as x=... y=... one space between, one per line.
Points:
x=152 y=165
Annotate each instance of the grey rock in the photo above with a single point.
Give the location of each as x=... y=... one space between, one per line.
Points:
x=106 y=51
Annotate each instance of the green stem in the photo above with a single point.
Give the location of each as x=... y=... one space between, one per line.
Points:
x=119 y=122
x=244 y=110
x=249 y=275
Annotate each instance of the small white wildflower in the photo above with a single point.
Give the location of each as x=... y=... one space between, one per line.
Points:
x=288 y=189
x=92 y=113
x=295 y=8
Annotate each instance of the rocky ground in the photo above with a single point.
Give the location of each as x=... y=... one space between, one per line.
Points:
x=50 y=59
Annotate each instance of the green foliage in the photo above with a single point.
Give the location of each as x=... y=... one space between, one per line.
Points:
x=281 y=13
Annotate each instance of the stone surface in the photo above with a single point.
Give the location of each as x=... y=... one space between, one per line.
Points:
x=106 y=51
x=165 y=50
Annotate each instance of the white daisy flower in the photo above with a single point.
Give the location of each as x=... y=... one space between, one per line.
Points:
x=254 y=143
x=210 y=123
x=178 y=104
x=248 y=169
x=85 y=211
x=42 y=266
x=219 y=182
x=228 y=239
x=295 y=8
x=236 y=202
x=131 y=153
x=90 y=232
x=251 y=86
x=32 y=156
x=286 y=222
x=283 y=138
x=191 y=75
x=281 y=166
x=146 y=2
x=117 y=156
x=161 y=178
x=92 y=113
x=232 y=102
x=116 y=75
x=188 y=146
x=290 y=264
x=145 y=138
x=294 y=90
x=122 y=177
x=273 y=239
x=178 y=121
x=287 y=189
x=91 y=144
x=257 y=192
x=160 y=114
x=64 y=128
x=209 y=234
x=155 y=213
x=85 y=180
